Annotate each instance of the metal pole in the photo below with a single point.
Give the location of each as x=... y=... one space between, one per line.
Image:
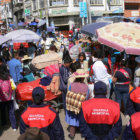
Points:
x=88 y=12
x=6 y=16
x=46 y=12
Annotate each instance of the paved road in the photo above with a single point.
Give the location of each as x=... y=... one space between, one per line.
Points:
x=8 y=134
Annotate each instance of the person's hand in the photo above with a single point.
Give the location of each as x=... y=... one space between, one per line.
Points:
x=74 y=60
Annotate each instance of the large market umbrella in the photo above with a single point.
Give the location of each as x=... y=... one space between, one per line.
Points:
x=90 y=29
x=3 y=39
x=23 y=35
x=123 y=36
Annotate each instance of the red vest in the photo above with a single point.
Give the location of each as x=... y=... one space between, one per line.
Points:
x=135 y=122
x=135 y=95
x=101 y=111
x=38 y=117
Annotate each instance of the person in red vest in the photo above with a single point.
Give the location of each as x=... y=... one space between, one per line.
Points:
x=41 y=116
x=132 y=131
x=100 y=117
x=133 y=103
x=121 y=79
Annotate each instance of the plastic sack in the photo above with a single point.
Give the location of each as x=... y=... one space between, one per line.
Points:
x=24 y=91
x=13 y=85
x=75 y=50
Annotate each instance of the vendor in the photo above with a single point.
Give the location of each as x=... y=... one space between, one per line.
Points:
x=27 y=73
x=122 y=79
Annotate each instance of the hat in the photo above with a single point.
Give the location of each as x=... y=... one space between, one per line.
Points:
x=137 y=59
x=26 y=57
x=100 y=87
x=80 y=73
x=34 y=133
x=38 y=92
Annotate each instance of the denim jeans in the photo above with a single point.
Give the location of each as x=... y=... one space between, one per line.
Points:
x=64 y=100
x=122 y=93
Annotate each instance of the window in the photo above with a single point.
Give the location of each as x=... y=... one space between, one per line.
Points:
x=131 y=7
x=76 y=2
x=58 y=2
x=115 y=2
x=96 y=2
x=41 y=4
x=34 y=4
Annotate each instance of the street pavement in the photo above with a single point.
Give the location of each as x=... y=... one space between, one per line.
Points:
x=6 y=133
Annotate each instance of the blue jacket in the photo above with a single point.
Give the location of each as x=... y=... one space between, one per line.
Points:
x=97 y=131
x=128 y=133
x=15 y=68
x=132 y=131
x=43 y=117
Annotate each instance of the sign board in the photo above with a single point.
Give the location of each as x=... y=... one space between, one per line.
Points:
x=83 y=9
x=57 y=3
x=27 y=12
x=59 y=12
x=135 y=13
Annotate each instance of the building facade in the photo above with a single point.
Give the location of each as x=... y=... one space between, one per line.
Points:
x=6 y=11
x=66 y=13
x=132 y=8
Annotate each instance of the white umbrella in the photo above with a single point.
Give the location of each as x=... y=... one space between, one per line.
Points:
x=23 y=35
x=41 y=22
x=3 y=39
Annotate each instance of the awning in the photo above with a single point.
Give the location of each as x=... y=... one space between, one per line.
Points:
x=131 y=1
x=61 y=25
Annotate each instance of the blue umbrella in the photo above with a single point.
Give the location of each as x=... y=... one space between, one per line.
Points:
x=33 y=24
x=50 y=29
x=90 y=29
x=21 y=24
x=138 y=20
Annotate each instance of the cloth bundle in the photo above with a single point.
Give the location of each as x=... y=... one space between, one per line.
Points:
x=74 y=101
x=54 y=85
x=51 y=70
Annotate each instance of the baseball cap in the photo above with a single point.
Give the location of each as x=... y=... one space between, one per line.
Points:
x=100 y=87
x=38 y=92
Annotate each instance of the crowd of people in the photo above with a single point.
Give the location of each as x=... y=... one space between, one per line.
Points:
x=96 y=86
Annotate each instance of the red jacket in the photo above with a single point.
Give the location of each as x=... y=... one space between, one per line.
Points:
x=100 y=119
x=43 y=117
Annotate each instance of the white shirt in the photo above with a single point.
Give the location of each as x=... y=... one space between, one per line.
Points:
x=100 y=72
